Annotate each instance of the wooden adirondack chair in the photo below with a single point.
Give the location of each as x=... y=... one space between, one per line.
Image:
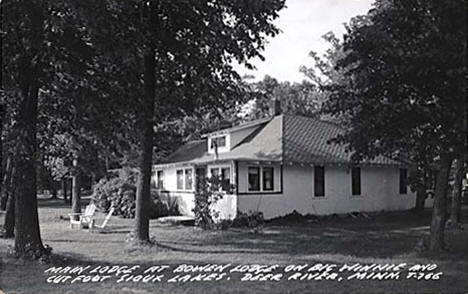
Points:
x=85 y=218
x=94 y=227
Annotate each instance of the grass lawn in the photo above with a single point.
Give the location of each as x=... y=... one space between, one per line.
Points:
x=383 y=238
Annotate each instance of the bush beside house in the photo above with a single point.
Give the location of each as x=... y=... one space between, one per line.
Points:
x=119 y=191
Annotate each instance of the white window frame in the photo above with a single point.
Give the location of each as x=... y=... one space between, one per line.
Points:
x=220 y=168
x=225 y=148
x=157 y=179
x=184 y=169
x=261 y=190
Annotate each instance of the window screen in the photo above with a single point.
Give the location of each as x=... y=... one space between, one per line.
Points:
x=180 y=179
x=356 y=181
x=268 y=184
x=319 y=181
x=254 y=179
x=403 y=180
x=188 y=179
x=226 y=179
x=160 y=179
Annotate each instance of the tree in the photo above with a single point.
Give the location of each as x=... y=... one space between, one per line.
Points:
x=185 y=50
x=406 y=66
x=41 y=40
x=294 y=98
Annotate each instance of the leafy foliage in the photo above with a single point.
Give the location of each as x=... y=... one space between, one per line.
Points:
x=119 y=191
x=295 y=98
x=407 y=87
x=208 y=192
x=251 y=219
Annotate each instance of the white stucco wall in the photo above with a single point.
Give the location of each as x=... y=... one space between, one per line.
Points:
x=243 y=180
x=226 y=207
x=379 y=191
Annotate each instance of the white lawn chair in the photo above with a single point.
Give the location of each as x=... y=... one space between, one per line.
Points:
x=85 y=218
x=94 y=227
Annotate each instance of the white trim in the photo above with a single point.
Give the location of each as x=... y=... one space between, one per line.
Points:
x=183 y=169
x=261 y=190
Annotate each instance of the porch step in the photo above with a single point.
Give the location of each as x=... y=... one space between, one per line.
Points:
x=177 y=220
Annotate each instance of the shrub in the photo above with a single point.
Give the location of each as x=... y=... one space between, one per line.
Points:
x=164 y=205
x=119 y=191
x=252 y=219
x=208 y=192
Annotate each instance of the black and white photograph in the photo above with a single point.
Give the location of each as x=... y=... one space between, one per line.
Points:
x=233 y=146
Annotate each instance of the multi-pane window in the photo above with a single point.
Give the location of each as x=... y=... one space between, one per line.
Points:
x=403 y=180
x=185 y=179
x=356 y=180
x=261 y=178
x=188 y=179
x=223 y=174
x=319 y=181
x=180 y=179
x=268 y=184
x=218 y=141
x=160 y=179
x=254 y=179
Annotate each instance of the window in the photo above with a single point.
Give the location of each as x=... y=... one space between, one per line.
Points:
x=356 y=181
x=226 y=179
x=319 y=181
x=214 y=172
x=188 y=179
x=403 y=181
x=254 y=179
x=160 y=179
x=219 y=141
x=224 y=176
x=268 y=179
x=180 y=179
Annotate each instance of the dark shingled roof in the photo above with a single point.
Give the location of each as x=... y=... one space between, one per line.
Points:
x=286 y=138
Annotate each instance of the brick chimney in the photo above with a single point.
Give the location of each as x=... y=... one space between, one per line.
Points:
x=274 y=106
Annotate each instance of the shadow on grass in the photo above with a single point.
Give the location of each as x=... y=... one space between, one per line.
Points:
x=381 y=236
x=58 y=202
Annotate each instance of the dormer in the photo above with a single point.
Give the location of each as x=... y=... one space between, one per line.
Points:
x=229 y=138
x=221 y=140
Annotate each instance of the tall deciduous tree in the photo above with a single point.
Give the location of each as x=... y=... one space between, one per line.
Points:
x=185 y=50
x=294 y=98
x=406 y=65
x=40 y=41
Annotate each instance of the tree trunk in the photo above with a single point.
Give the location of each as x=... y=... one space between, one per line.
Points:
x=141 y=231
x=9 y=225
x=457 y=191
x=27 y=233
x=69 y=191
x=64 y=189
x=439 y=212
x=54 y=191
x=52 y=185
x=420 y=199
x=2 y=116
x=76 y=193
x=6 y=183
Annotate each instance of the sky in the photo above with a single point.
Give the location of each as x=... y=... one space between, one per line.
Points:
x=303 y=23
